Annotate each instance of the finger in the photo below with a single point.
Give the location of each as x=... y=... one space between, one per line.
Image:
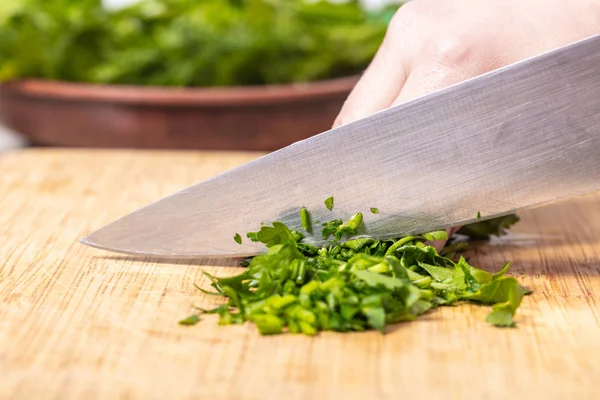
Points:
x=450 y=63
x=428 y=79
x=378 y=87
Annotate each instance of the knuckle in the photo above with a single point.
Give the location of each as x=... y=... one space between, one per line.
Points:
x=451 y=50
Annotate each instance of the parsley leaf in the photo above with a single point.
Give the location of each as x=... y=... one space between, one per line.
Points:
x=305 y=220
x=191 y=320
x=436 y=235
x=349 y=227
x=505 y=294
x=237 y=238
x=354 y=285
x=492 y=227
x=272 y=235
x=329 y=203
x=330 y=228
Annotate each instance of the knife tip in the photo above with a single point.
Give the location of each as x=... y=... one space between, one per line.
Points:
x=88 y=241
x=92 y=242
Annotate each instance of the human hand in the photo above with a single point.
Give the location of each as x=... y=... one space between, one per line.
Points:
x=432 y=44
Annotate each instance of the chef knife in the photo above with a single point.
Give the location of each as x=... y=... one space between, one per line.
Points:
x=521 y=136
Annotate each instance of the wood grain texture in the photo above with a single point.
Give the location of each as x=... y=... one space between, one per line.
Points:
x=77 y=323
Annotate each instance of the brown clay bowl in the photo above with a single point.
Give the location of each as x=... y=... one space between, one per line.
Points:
x=263 y=118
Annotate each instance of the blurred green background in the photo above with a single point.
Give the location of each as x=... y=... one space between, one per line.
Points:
x=189 y=42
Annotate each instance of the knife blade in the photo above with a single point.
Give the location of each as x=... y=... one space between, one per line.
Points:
x=521 y=136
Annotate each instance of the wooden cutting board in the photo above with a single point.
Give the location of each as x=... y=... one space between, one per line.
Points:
x=78 y=323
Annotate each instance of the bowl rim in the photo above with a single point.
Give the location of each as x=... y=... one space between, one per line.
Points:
x=190 y=96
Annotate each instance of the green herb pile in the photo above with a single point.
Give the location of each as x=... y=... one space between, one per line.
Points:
x=188 y=42
x=354 y=285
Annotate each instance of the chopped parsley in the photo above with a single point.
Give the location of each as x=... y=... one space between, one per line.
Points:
x=305 y=220
x=355 y=284
x=329 y=203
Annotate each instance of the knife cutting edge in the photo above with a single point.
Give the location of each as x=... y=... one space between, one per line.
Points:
x=521 y=136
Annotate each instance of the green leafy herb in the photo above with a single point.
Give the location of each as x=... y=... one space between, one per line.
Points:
x=350 y=227
x=492 y=227
x=272 y=235
x=374 y=210
x=191 y=320
x=268 y=324
x=505 y=294
x=329 y=203
x=237 y=238
x=454 y=248
x=436 y=235
x=305 y=220
x=478 y=214
x=253 y=236
x=357 y=284
x=330 y=228
x=188 y=42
